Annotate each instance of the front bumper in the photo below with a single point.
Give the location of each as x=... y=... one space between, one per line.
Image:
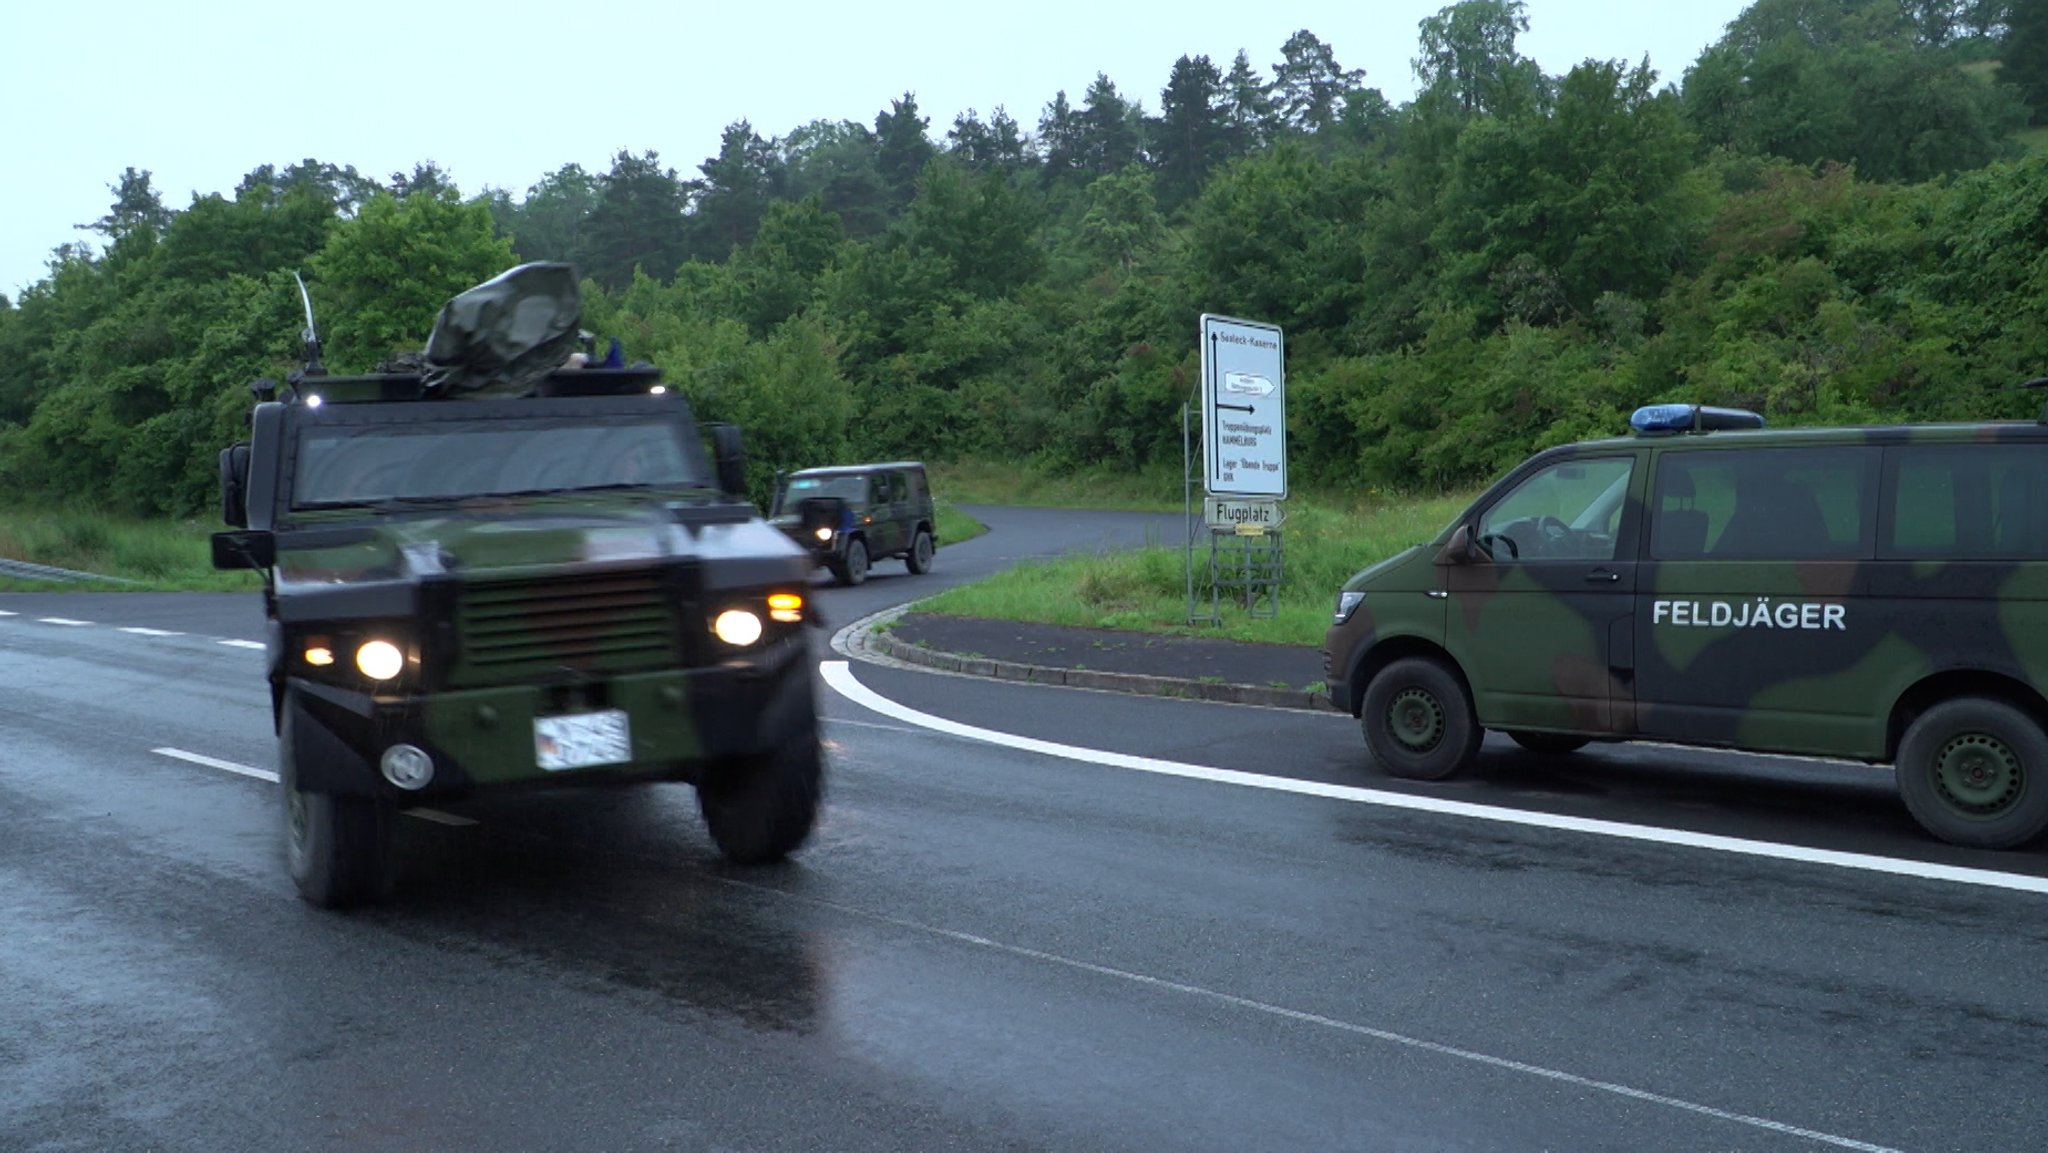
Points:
x=681 y=722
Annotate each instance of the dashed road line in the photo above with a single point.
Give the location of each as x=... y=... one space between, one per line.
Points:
x=143 y=632
x=66 y=621
x=241 y=644
x=434 y=815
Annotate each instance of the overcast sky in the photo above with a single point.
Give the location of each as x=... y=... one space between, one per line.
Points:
x=500 y=94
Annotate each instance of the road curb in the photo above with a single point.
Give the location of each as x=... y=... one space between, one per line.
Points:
x=867 y=638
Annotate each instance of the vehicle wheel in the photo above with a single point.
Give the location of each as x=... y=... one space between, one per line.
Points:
x=852 y=568
x=338 y=848
x=760 y=809
x=1974 y=772
x=919 y=559
x=1418 y=721
x=1550 y=744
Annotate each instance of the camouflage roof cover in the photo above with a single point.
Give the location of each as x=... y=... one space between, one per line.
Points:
x=503 y=336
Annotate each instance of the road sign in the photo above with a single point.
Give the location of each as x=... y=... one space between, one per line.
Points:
x=1244 y=408
x=1224 y=514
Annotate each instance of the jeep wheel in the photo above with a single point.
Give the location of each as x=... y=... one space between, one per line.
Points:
x=1549 y=744
x=919 y=559
x=759 y=809
x=1974 y=772
x=1418 y=721
x=852 y=568
x=338 y=848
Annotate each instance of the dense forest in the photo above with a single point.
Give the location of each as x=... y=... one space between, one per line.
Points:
x=1833 y=215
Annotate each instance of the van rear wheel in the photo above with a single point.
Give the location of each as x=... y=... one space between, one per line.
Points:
x=919 y=561
x=1974 y=771
x=1418 y=721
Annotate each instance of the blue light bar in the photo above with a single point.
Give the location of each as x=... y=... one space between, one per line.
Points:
x=1663 y=419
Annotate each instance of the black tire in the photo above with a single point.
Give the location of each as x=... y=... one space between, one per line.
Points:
x=852 y=568
x=1549 y=744
x=919 y=559
x=761 y=809
x=1974 y=771
x=337 y=848
x=1418 y=721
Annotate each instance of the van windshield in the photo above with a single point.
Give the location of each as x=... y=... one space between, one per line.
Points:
x=851 y=489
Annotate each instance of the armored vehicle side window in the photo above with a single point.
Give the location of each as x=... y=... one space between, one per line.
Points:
x=1766 y=504
x=1967 y=501
x=1569 y=511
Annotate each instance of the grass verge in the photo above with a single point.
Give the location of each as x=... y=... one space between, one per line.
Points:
x=156 y=556
x=1145 y=589
x=954 y=526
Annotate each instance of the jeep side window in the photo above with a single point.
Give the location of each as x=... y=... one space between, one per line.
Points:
x=1763 y=504
x=1967 y=502
x=1568 y=511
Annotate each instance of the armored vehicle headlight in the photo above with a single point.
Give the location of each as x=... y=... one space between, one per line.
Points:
x=737 y=627
x=380 y=660
x=1347 y=603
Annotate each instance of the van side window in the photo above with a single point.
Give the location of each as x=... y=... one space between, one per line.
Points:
x=1763 y=504
x=1961 y=502
x=1569 y=511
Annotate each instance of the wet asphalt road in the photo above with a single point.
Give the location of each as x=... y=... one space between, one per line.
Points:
x=986 y=947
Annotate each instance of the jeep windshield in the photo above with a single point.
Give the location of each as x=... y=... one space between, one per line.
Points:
x=851 y=489
x=426 y=462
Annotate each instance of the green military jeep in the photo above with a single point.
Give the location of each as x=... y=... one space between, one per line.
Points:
x=504 y=571
x=1872 y=594
x=870 y=512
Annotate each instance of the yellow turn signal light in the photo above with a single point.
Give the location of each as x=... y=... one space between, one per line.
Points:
x=786 y=607
x=320 y=655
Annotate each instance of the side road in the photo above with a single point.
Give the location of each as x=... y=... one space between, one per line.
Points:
x=1195 y=668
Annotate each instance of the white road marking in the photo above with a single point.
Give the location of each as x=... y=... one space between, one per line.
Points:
x=5 y=613
x=435 y=815
x=217 y=763
x=1317 y=1019
x=870 y=725
x=241 y=644
x=63 y=621
x=841 y=678
x=143 y=632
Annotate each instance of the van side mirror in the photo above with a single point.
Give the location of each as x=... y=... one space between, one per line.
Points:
x=1457 y=550
x=731 y=456
x=234 y=485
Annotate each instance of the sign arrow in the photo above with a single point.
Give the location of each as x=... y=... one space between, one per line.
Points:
x=1236 y=407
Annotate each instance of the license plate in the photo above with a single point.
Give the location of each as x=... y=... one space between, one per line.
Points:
x=581 y=740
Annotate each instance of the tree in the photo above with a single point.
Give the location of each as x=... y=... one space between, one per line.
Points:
x=777 y=275
x=739 y=184
x=1060 y=133
x=1122 y=221
x=137 y=210
x=1251 y=118
x=549 y=223
x=1309 y=86
x=1111 y=129
x=637 y=222
x=1192 y=135
x=996 y=144
x=1469 y=62
x=2023 y=61
x=383 y=276
x=903 y=147
x=838 y=162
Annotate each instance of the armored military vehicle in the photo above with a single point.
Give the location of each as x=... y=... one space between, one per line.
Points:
x=500 y=569
x=877 y=511
x=1870 y=594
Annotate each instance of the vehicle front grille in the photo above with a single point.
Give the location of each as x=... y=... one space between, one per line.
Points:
x=599 y=622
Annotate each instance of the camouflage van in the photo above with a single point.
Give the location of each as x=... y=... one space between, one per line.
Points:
x=874 y=512
x=503 y=571
x=1871 y=594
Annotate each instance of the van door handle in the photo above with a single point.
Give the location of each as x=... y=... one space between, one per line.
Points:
x=1601 y=574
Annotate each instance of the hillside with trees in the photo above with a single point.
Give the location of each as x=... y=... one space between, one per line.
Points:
x=1831 y=216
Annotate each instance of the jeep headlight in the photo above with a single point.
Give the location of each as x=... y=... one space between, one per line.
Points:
x=737 y=627
x=380 y=660
x=824 y=532
x=1347 y=603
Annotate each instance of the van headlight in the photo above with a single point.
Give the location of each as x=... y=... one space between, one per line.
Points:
x=1347 y=603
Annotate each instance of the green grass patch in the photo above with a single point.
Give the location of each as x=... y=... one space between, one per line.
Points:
x=1145 y=589
x=952 y=525
x=2034 y=139
x=156 y=556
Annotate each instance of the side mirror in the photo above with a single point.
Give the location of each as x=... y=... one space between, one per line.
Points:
x=820 y=512
x=245 y=549
x=234 y=485
x=1457 y=550
x=732 y=460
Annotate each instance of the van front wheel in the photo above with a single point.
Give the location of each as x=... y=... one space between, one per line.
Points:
x=1418 y=720
x=1974 y=772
